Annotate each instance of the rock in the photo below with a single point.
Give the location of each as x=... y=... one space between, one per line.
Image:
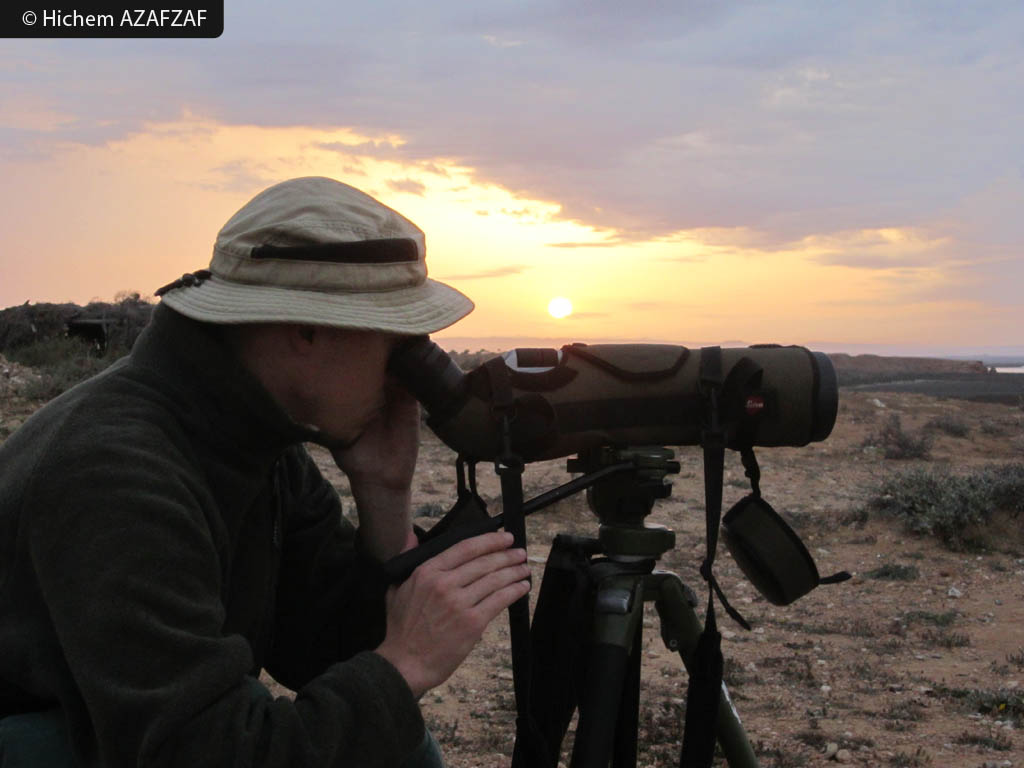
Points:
x=844 y=756
x=830 y=750
x=954 y=592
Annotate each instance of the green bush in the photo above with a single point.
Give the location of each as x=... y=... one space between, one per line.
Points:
x=61 y=363
x=898 y=444
x=955 y=508
x=948 y=424
x=49 y=339
x=29 y=324
x=1006 y=704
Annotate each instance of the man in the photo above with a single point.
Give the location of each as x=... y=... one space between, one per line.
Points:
x=164 y=536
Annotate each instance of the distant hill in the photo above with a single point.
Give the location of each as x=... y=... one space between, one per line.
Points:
x=904 y=365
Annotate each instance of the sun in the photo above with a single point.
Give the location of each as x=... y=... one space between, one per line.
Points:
x=560 y=307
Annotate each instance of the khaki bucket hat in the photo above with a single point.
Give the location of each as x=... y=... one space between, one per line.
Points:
x=313 y=250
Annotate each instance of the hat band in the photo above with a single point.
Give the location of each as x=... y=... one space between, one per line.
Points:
x=324 y=275
x=389 y=250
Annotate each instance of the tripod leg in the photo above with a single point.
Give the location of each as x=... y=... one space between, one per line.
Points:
x=624 y=754
x=618 y=614
x=680 y=629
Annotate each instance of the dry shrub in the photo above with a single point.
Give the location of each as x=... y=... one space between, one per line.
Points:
x=898 y=444
x=964 y=511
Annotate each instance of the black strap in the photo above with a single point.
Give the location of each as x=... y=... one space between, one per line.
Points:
x=188 y=280
x=530 y=743
x=835 y=578
x=753 y=471
x=705 y=683
x=502 y=396
x=702 y=696
x=713 y=441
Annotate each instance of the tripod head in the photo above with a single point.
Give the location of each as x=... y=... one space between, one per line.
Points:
x=621 y=501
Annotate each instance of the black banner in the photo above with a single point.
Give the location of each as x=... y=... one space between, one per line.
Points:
x=190 y=18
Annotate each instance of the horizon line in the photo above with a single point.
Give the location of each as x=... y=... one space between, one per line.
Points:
x=499 y=343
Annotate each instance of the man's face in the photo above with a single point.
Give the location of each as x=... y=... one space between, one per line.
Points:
x=344 y=381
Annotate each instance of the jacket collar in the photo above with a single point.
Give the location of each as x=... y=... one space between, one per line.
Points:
x=223 y=403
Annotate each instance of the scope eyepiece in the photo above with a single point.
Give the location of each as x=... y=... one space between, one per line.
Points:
x=430 y=374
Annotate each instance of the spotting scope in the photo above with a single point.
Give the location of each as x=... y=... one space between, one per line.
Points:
x=548 y=403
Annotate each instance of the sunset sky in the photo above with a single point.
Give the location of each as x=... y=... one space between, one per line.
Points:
x=800 y=172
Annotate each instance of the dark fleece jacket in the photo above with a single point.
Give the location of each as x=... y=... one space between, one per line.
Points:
x=163 y=537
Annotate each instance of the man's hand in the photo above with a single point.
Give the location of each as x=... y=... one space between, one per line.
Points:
x=379 y=466
x=384 y=453
x=436 y=617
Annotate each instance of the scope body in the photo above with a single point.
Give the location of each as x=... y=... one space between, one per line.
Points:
x=560 y=402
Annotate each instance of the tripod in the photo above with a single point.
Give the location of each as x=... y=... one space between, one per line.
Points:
x=590 y=607
x=586 y=636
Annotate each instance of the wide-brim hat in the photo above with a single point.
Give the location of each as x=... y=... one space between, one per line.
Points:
x=313 y=250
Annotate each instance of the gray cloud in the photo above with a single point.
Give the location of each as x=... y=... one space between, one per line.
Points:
x=488 y=273
x=788 y=118
x=241 y=177
x=597 y=244
x=410 y=186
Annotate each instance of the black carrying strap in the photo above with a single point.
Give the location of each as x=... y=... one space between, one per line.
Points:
x=722 y=415
x=751 y=469
x=702 y=695
x=530 y=747
x=836 y=578
x=714 y=438
x=706 y=670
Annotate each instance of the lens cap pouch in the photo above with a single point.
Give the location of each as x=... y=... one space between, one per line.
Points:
x=770 y=553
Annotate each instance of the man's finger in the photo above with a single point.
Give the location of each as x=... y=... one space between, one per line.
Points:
x=498 y=601
x=479 y=567
x=471 y=548
x=495 y=581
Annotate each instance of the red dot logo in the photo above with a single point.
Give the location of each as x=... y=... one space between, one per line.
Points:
x=755 y=404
